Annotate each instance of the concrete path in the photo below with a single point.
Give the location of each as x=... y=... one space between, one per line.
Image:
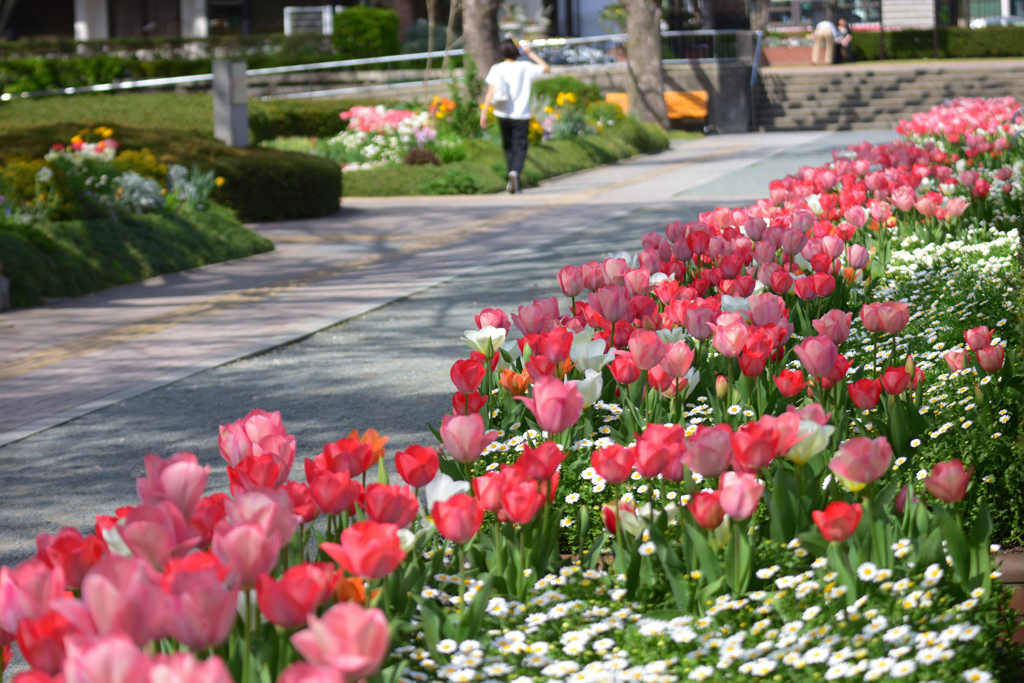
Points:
x=145 y=367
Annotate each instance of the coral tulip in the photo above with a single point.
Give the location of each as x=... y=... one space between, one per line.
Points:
x=790 y=382
x=368 y=549
x=864 y=393
x=520 y=502
x=348 y=638
x=895 y=380
x=861 y=461
x=391 y=503
x=614 y=463
x=344 y=455
x=467 y=375
x=739 y=494
x=647 y=348
x=624 y=370
x=540 y=463
x=179 y=479
x=838 y=520
x=458 y=518
x=303 y=506
x=464 y=437
x=70 y=551
x=948 y=480
x=707 y=509
x=488 y=489
x=991 y=358
x=753 y=446
x=301 y=589
x=817 y=354
x=555 y=405
x=656 y=447
x=41 y=640
x=334 y=492
x=417 y=465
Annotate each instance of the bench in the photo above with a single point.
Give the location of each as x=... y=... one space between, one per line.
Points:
x=692 y=104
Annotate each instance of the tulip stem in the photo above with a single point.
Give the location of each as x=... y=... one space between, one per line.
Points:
x=499 y=551
x=282 y=654
x=462 y=576
x=247 y=652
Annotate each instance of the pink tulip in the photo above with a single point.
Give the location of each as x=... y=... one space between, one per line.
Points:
x=183 y=667
x=969 y=178
x=556 y=405
x=855 y=216
x=904 y=198
x=709 y=450
x=25 y=592
x=881 y=211
x=948 y=481
x=677 y=360
x=957 y=360
x=271 y=510
x=124 y=596
x=348 y=638
x=978 y=337
x=647 y=349
x=730 y=334
x=109 y=659
x=955 y=207
x=157 y=533
x=301 y=672
x=200 y=609
x=570 y=279
x=593 y=276
x=179 y=479
x=793 y=242
x=835 y=325
x=766 y=308
x=869 y=317
x=991 y=358
x=259 y=433
x=926 y=206
x=464 y=437
x=857 y=256
x=739 y=494
x=892 y=316
x=493 y=317
x=610 y=302
x=533 y=319
x=817 y=354
x=248 y=551
x=698 y=322
x=615 y=271
x=861 y=461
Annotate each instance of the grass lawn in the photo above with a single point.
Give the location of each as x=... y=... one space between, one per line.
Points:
x=71 y=258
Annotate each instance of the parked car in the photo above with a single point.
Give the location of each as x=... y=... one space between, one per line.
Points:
x=983 y=22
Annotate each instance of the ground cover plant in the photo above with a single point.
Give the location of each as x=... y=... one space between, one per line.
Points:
x=705 y=470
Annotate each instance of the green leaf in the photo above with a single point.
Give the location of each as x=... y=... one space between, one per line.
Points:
x=737 y=560
x=782 y=506
x=382 y=472
x=589 y=560
x=956 y=544
x=674 y=570
x=633 y=573
x=709 y=565
x=982 y=528
x=838 y=561
x=473 y=616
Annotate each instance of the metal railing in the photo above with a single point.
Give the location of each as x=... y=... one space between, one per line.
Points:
x=678 y=47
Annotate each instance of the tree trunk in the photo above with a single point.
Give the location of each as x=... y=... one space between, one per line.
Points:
x=480 y=28
x=645 y=82
x=431 y=23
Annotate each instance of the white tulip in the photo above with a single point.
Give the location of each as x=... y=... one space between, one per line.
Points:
x=443 y=487
x=672 y=336
x=590 y=387
x=591 y=356
x=817 y=438
x=479 y=339
x=734 y=304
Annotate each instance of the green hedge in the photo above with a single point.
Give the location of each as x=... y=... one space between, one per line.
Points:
x=71 y=258
x=262 y=184
x=484 y=171
x=287 y=118
x=550 y=87
x=954 y=43
x=361 y=31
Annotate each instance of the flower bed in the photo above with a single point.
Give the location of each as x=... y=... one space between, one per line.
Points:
x=724 y=463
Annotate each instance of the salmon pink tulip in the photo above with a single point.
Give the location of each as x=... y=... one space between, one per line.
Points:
x=817 y=354
x=344 y=455
x=540 y=463
x=957 y=360
x=334 y=492
x=991 y=358
x=869 y=317
x=678 y=359
x=861 y=461
x=739 y=494
x=895 y=380
x=754 y=445
x=624 y=370
x=488 y=489
x=892 y=316
x=857 y=256
x=109 y=659
x=948 y=480
x=254 y=473
x=729 y=337
x=157 y=533
x=614 y=463
x=247 y=550
x=348 y=638
x=520 y=502
x=303 y=506
x=464 y=437
x=390 y=503
x=417 y=465
x=72 y=552
x=656 y=446
x=179 y=479
x=978 y=338
x=301 y=589
x=835 y=325
x=259 y=433
x=200 y=610
x=838 y=520
x=458 y=518
x=25 y=592
x=493 y=317
x=301 y=672
x=709 y=451
x=647 y=348
x=368 y=549
x=707 y=509
x=570 y=279
x=556 y=405
x=183 y=667
x=123 y=595
x=766 y=308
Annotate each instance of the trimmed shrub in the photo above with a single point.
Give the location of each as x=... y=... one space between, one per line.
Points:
x=286 y=118
x=954 y=43
x=550 y=87
x=361 y=32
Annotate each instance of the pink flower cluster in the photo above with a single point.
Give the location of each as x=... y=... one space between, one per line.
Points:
x=376 y=119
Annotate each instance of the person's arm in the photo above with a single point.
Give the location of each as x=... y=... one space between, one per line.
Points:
x=536 y=59
x=487 y=105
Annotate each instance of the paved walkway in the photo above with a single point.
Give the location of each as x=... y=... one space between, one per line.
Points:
x=436 y=260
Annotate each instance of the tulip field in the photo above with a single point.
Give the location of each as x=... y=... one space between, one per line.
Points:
x=780 y=442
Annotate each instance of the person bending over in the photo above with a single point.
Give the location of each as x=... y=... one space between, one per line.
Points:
x=508 y=90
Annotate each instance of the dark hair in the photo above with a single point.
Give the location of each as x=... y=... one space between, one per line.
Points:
x=508 y=49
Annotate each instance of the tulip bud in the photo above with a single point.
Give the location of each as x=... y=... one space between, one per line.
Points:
x=910 y=364
x=721 y=386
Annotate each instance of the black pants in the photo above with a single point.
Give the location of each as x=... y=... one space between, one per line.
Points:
x=513 y=138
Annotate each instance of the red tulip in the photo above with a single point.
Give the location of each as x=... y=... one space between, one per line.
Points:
x=614 y=463
x=624 y=370
x=111 y=659
x=861 y=461
x=752 y=364
x=804 y=288
x=948 y=480
x=835 y=325
x=864 y=393
x=817 y=354
x=179 y=479
x=41 y=640
x=300 y=590
x=254 y=473
x=837 y=373
x=348 y=638
x=209 y=512
x=200 y=610
x=542 y=462
x=554 y=345
x=70 y=551
x=555 y=405
x=303 y=506
x=838 y=520
x=978 y=338
x=656 y=446
x=754 y=446
x=467 y=375
x=520 y=502
x=123 y=595
x=706 y=509
x=488 y=489
x=458 y=518
x=892 y=316
x=334 y=492
x=991 y=358
x=790 y=382
x=417 y=465
x=570 y=279
x=709 y=450
x=183 y=667
x=895 y=380
x=739 y=494
x=781 y=282
x=368 y=549
x=464 y=437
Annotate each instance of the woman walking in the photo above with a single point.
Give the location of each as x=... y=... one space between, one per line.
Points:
x=508 y=90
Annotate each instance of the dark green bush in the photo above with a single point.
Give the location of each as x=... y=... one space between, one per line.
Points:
x=454 y=180
x=361 y=32
x=550 y=87
x=313 y=118
x=954 y=43
x=71 y=258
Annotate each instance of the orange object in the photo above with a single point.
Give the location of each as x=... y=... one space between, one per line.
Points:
x=691 y=104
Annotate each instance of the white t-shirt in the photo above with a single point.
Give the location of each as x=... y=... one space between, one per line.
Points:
x=519 y=75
